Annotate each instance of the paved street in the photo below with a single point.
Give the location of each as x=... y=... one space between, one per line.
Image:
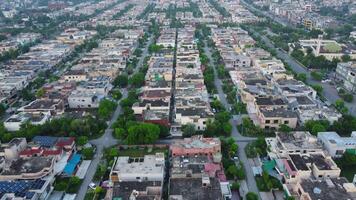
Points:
x=242 y=141
x=107 y=140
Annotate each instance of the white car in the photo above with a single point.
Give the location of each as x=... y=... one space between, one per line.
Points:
x=92 y=185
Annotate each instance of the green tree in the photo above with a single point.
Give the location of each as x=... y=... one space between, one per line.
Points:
x=227 y=128
x=284 y=128
x=233 y=149
x=301 y=77
x=240 y=173
x=345 y=58
x=318 y=88
x=40 y=92
x=345 y=125
x=232 y=171
x=60 y=185
x=153 y=48
x=106 y=108
x=137 y=80
x=116 y=94
x=120 y=133
x=121 y=81
x=2 y=110
x=82 y=140
x=188 y=130
x=348 y=97
x=142 y=133
x=235 y=186
x=240 y=108
x=27 y=95
x=251 y=196
x=316 y=75
x=73 y=184
x=88 y=153
x=340 y=106
x=316 y=126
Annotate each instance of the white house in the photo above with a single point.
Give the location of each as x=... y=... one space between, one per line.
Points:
x=336 y=145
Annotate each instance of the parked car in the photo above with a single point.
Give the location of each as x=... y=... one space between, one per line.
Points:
x=92 y=185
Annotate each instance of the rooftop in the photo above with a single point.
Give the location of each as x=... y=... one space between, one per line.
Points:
x=279 y=112
x=28 y=165
x=298 y=140
x=303 y=161
x=267 y=101
x=21 y=188
x=197 y=142
x=326 y=189
x=123 y=190
x=194 y=188
x=147 y=164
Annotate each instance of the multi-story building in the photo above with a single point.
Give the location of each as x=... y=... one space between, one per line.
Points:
x=298 y=156
x=138 y=177
x=336 y=145
x=346 y=73
x=197 y=171
x=196 y=145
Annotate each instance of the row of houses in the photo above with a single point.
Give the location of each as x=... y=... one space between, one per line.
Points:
x=16 y=74
x=191 y=98
x=130 y=11
x=13 y=43
x=180 y=91
x=239 y=14
x=81 y=9
x=155 y=99
x=84 y=85
x=272 y=96
x=98 y=68
x=195 y=172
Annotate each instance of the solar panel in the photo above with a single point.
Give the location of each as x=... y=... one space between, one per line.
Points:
x=20 y=188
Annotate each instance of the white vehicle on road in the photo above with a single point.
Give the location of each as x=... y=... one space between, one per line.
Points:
x=92 y=185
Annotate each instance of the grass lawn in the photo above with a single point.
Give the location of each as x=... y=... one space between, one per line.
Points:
x=348 y=172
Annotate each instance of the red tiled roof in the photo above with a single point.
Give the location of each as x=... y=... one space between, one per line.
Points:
x=50 y=152
x=65 y=142
x=29 y=152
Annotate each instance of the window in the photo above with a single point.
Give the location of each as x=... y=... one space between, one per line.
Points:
x=275 y=121
x=267 y=121
x=286 y=122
